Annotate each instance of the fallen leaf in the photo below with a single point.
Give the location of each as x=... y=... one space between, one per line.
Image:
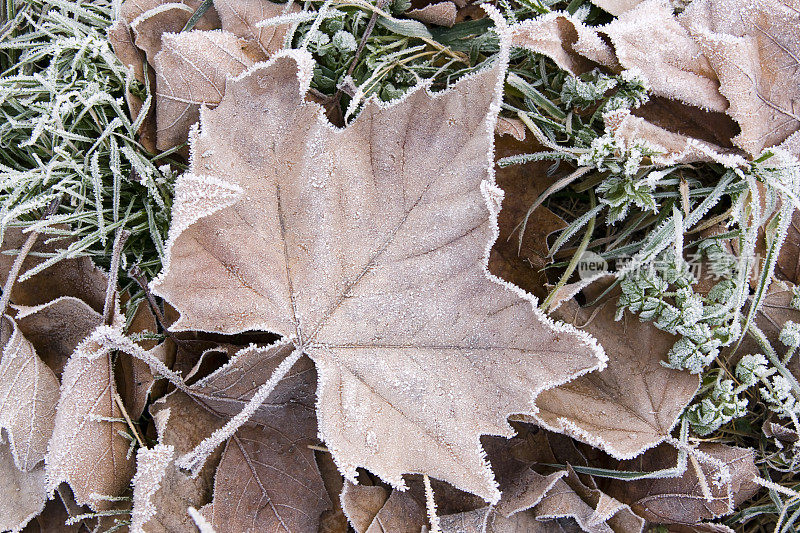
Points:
x=438 y=14
x=87 y=430
x=523 y=265
x=648 y=38
x=510 y=126
x=191 y=71
x=22 y=494
x=130 y=10
x=267 y=477
x=572 y=45
x=182 y=425
x=728 y=475
x=28 y=395
x=241 y=17
x=77 y=277
x=372 y=509
x=758 y=71
x=376 y=238
x=56 y=328
x=167 y=18
x=635 y=402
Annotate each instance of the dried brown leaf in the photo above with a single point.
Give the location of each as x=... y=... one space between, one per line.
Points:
x=634 y=403
x=788 y=266
x=132 y=9
x=22 y=494
x=438 y=14
x=191 y=70
x=510 y=126
x=241 y=17
x=376 y=238
x=372 y=509
x=573 y=46
x=87 y=450
x=78 y=277
x=728 y=476
x=648 y=38
x=149 y=27
x=758 y=71
x=267 y=478
x=56 y=328
x=28 y=396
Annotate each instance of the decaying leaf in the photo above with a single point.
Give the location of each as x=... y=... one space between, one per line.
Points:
x=267 y=478
x=788 y=266
x=373 y=509
x=28 y=395
x=22 y=494
x=371 y=243
x=727 y=474
x=150 y=27
x=56 y=328
x=572 y=45
x=78 y=277
x=648 y=38
x=191 y=70
x=88 y=427
x=439 y=14
x=758 y=70
x=241 y=17
x=635 y=402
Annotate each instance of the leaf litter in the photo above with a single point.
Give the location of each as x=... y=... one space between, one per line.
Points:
x=360 y=253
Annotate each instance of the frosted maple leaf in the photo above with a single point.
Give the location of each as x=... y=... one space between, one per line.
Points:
x=366 y=247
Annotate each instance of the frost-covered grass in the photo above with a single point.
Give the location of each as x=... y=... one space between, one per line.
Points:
x=65 y=134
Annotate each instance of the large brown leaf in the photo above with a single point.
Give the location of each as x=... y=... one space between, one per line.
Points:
x=28 y=396
x=371 y=244
x=87 y=430
x=758 y=71
x=373 y=509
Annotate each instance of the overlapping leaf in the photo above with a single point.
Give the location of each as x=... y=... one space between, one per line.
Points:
x=371 y=250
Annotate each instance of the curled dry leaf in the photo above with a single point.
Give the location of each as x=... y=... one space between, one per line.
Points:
x=757 y=67
x=728 y=474
x=648 y=38
x=241 y=17
x=88 y=430
x=56 y=328
x=28 y=396
x=267 y=478
x=371 y=243
x=373 y=509
x=438 y=14
x=635 y=402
